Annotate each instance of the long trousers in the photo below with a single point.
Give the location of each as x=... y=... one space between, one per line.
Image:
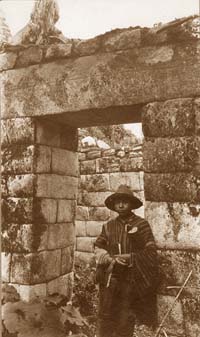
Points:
x=116 y=317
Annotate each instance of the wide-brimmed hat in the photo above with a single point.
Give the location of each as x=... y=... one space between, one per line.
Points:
x=123 y=191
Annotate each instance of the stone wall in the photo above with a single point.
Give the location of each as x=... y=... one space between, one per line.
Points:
x=172 y=193
x=39 y=179
x=101 y=172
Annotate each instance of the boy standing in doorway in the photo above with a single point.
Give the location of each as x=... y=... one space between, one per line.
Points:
x=126 y=268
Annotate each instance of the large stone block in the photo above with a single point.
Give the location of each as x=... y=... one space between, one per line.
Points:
x=35 y=268
x=62 y=285
x=99 y=213
x=61 y=235
x=131 y=164
x=171 y=154
x=85 y=244
x=21 y=185
x=93 y=154
x=58 y=50
x=17 y=131
x=82 y=213
x=94 y=198
x=95 y=182
x=66 y=211
x=5 y=267
x=31 y=237
x=17 y=210
x=47 y=133
x=30 y=293
x=88 y=167
x=80 y=227
x=56 y=186
x=28 y=56
x=170 y=118
x=171 y=187
x=197 y=115
x=191 y=312
x=7 y=61
x=174 y=225
x=120 y=40
x=67 y=260
x=45 y=210
x=64 y=162
x=18 y=159
x=132 y=179
x=107 y=164
x=84 y=258
x=93 y=228
x=42 y=159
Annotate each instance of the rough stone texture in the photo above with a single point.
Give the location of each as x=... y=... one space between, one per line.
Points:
x=85 y=244
x=61 y=235
x=21 y=185
x=175 y=225
x=64 y=162
x=5 y=267
x=7 y=61
x=35 y=268
x=66 y=211
x=80 y=228
x=94 y=198
x=107 y=164
x=56 y=186
x=88 y=167
x=94 y=154
x=99 y=213
x=170 y=118
x=58 y=50
x=28 y=293
x=95 y=182
x=17 y=159
x=197 y=115
x=17 y=131
x=43 y=159
x=31 y=55
x=123 y=40
x=182 y=187
x=67 y=260
x=17 y=210
x=171 y=154
x=93 y=228
x=62 y=285
x=45 y=210
x=82 y=213
x=84 y=258
x=133 y=179
x=87 y=47
x=191 y=311
x=131 y=164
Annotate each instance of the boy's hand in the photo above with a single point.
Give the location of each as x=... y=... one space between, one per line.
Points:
x=123 y=259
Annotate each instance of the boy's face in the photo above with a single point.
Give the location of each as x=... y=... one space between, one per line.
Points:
x=122 y=206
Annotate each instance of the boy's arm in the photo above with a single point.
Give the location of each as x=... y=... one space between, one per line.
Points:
x=102 y=256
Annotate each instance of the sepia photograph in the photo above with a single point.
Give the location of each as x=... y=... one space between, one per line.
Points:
x=100 y=168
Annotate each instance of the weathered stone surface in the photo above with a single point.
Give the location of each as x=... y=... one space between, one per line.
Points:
x=64 y=162
x=84 y=258
x=174 y=268
x=62 y=285
x=17 y=131
x=81 y=156
x=35 y=268
x=94 y=198
x=131 y=164
x=107 y=164
x=93 y=228
x=170 y=187
x=99 y=213
x=191 y=312
x=80 y=227
x=5 y=267
x=197 y=115
x=7 y=61
x=132 y=179
x=56 y=186
x=4 y=189
x=109 y=152
x=125 y=39
x=21 y=185
x=85 y=244
x=174 y=225
x=140 y=211
x=61 y=235
x=82 y=213
x=17 y=159
x=42 y=159
x=174 y=323
x=86 y=47
x=88 y=167
x=93 y=154
x=175 y=154
x=31 y=55
x=28 y=293
x=58 y=50
x=95 y=182
x=170 y=118
x=66 y=211
x=67 y=260
x=154 y=55
x=17 y=210
x=47 y=133
x=45 y=210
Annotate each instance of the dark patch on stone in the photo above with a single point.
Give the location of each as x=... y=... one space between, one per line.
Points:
x=38 y=224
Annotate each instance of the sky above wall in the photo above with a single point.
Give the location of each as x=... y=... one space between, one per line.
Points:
x=88 y=18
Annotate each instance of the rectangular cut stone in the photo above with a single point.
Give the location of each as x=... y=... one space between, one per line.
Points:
x=67 y=260
x=17 y=210
x=88 y=167
x=30 y=238
x=174 y=323
x=94 y=198
x=18 y=159
x=82 y=258
x=95 y=182
x=55 y=186
x=82 y=213
x=197 y=115
x=66 y=211
x=45 y=210
x=132 y=179
x=29 y=293
x=21 y=185
x=171 y=187
x=43 y=159
x=17 y=131
x=191 y=312
x=58 y=50
x=170 y=118
x=85 y=244
x=81 y=156
x=47 y=133
x=80 y=228
x=131 y=164
x=107 y=164
x=93 y=154
x=69 y=138
x=93 y=228
x=175 y=154
x=174 y=225
x=5 y=267
x=99 y=213
x=31 y=55
x=61 y=235
x=62 y=285
x=64 y=162
x=35 y=268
